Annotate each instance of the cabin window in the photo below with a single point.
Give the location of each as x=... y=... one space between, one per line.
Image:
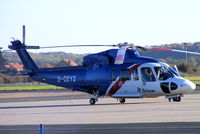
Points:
x=147 y=74
x=135 y=74
x=125 y=74
x=114 y=75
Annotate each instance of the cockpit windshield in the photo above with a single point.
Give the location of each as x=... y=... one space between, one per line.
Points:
x=173 y=71
x=163 y=73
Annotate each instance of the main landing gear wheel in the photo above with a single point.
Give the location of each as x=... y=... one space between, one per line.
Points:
x=95 y=99
x=92 y=101
x=122 y=100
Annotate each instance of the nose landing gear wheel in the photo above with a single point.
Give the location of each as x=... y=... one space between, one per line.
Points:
x=175 y=99
x=122 y=100
x=92 y=101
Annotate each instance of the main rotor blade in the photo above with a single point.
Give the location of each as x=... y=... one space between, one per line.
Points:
x=174 y=50
x=142 y=48
x=97 y=45
x=6 y=51
x=80 y=46
x=165 y=49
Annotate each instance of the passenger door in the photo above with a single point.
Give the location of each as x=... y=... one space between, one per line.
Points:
x=149 y=84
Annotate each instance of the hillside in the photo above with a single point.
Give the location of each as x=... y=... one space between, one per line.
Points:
x=175 y=57
x=42 y=58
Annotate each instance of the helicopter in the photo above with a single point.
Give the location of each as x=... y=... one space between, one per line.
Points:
x=118 y=73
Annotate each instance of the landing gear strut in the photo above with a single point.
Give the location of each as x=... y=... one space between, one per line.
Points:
x=95 y=99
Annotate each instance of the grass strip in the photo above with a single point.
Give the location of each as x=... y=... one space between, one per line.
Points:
x=21 y=88
x=195 y=79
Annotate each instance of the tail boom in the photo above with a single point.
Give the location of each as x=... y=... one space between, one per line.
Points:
x=26 y=59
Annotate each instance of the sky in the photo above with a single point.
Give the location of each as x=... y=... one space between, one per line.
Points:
x=68 y=22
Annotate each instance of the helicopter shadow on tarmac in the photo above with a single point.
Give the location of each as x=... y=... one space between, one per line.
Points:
x=74 y=105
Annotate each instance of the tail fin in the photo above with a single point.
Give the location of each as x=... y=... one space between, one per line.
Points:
x=26 y=59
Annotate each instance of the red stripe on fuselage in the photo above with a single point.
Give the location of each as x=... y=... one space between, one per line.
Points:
x=116 y=87
x=118 y=84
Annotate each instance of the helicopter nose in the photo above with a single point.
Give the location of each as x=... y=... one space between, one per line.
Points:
x=188 y=86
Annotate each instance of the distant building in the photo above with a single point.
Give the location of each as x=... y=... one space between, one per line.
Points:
x=66 y=63
x=45 y=65
x=16 y=66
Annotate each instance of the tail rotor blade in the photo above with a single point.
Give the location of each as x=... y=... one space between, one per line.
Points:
x=23 y=35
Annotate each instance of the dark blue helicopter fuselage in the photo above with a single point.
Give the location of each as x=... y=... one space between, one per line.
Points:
x=79 y=78
x=95 y=73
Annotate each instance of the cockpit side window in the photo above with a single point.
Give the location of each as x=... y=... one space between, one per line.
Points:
x=147 y=74
x=163 y=73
